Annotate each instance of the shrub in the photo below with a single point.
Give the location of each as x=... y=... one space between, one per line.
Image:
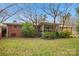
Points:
x=77 y=27
x=28 y=30
x=64 y=34
x=49 y=34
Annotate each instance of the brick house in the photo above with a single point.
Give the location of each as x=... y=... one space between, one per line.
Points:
x=10 y=30
x=14 y=29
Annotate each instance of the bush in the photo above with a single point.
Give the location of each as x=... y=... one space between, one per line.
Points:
x=49 y=34
x=28 y=30
x=64 y=34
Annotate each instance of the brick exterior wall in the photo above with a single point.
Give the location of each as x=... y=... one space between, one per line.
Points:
x=14 y=30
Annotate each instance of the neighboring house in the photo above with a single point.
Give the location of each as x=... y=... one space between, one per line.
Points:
x=66 y=28
x=14 y=29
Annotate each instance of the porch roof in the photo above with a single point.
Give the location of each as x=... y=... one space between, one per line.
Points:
x=65 y=26
x=12 y=23
x=47 y=23
x=3 y=25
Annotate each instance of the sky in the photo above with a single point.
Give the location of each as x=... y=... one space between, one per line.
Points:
x=14 y=8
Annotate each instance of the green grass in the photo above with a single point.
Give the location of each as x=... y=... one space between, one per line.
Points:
x=39 y=47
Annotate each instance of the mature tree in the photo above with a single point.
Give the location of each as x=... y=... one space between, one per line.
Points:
x=7 y=7
x=30 y=13
x=42 y=18
x=77 y=11
x=6 y=14
x=66 y=15
x=66 y=20
x=52 y=10
x=77 y=26
x=56 y=10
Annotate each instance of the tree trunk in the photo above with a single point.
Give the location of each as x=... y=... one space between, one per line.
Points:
x=64 y=18
x=36 y=30
x=54 y=25
x=63 y=24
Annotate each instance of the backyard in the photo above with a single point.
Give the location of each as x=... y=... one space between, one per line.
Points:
x=39 y=47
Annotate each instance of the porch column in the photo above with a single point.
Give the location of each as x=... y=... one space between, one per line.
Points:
x=42 y=30
x=71 y=29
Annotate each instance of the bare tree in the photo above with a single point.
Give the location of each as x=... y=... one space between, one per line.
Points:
x=65 y=14
x=56 y=10
x=7 y=7
x=6 y=17
x=5 y=14
x=42 y=18
x=30 y=13
x=66 y=20
x=52 y=10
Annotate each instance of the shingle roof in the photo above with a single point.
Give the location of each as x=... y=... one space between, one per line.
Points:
x=12 y=23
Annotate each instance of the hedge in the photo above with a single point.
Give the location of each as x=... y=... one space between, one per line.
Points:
x=64 y=34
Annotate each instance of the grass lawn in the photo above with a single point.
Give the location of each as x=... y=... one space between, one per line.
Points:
x=39 y=47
